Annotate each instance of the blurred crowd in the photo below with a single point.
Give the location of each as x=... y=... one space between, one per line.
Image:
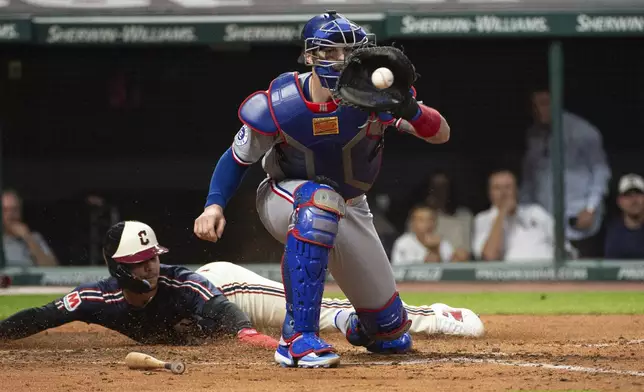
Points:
x=519 y=224
x=517 y=227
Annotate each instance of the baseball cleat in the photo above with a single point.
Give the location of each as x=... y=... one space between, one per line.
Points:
x=306 y=350
x=457 y=321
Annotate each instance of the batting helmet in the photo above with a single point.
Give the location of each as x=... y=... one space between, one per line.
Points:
x=128 y=243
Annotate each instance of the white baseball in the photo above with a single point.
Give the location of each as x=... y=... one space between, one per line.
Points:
x=382 y=78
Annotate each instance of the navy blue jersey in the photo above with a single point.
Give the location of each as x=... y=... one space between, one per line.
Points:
x=623 y=242
x=185 y=303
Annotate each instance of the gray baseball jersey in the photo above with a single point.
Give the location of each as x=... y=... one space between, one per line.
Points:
x=358 y=260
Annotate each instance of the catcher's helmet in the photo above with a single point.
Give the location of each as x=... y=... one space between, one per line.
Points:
x=327 y=31
x=128 y=243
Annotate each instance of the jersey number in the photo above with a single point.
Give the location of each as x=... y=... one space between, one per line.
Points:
x=143 y=237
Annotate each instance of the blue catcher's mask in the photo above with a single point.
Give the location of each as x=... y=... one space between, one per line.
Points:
x=328 y=39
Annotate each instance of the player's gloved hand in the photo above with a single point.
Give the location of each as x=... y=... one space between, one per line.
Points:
x=356 y=89
x=251 y=336
x=210 y=224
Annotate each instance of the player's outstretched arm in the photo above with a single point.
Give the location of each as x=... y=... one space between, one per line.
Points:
x=31 y=321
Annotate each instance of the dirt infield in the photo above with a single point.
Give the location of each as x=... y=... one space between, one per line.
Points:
x=519 y=352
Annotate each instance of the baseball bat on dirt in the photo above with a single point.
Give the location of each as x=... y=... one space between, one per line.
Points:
x=142 y=361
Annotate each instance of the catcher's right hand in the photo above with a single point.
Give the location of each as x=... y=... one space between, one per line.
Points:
x=210 y=224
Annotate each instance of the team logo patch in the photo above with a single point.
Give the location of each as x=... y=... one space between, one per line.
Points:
x=242 y=136
x=456 y=314
x=72 y=301
x=325 y=126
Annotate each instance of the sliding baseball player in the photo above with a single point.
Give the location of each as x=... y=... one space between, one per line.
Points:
x=263 y=301
x=155 y=303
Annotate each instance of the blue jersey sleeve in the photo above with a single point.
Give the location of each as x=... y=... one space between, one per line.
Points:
x=225 y=179
x=255 y=137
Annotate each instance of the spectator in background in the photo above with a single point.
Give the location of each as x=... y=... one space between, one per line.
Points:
x=422 y=244
x=453 y=222
x=586 y=174
x=625 y=236
x=22 y=247
x=509 y=231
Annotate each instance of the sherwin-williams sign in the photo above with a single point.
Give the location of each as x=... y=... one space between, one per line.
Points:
x=275 y=28
x=182 y=29
x=533 y=24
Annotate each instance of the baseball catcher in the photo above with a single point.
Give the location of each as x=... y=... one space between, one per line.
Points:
x=147 y=301
x=321 y=136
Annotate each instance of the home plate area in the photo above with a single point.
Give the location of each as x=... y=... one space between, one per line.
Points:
x=518 y=353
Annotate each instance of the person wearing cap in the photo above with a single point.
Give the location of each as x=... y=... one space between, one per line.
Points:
x=625 y=235
x=149 y=302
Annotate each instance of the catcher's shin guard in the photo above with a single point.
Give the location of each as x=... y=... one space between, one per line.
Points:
x=312 y=231
x=379 y=330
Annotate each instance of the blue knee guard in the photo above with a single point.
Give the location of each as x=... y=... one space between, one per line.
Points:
x=389 y=323
x=312 y=230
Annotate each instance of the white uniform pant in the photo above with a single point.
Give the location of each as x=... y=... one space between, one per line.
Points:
x=263 y=299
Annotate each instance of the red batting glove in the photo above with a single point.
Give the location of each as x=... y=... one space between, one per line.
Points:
x=251 y=336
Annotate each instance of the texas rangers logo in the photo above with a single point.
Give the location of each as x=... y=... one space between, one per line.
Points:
x=242 y=136
x=72 y=301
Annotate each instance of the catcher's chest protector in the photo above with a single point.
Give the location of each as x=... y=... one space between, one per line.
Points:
x=343 y=145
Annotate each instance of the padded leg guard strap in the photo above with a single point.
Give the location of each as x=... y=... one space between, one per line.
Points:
x=397 y=346
x=367 y=326
x=386 y=323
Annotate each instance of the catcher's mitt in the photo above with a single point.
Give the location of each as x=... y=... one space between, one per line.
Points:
x=355 y=88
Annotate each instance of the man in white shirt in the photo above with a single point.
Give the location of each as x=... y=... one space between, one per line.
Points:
x=509 y=231
x=586 y=173
x=422 y=244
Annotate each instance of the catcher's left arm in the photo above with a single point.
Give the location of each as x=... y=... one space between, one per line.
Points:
x=356 y=89
x=428 y=124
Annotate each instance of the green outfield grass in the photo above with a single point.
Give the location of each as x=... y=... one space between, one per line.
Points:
x=10 y=304
x=606 y=302
x=619 y=302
